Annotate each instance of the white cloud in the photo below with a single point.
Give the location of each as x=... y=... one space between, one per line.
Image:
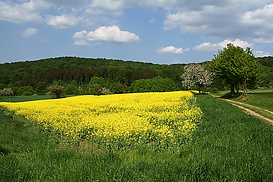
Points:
x=171 y=50
x=80 y=38
x=246 y=19
x=114 y=7
x=105 y=34
x=28 y=11
x=261 y=54
x=225 y=19
x=30 y=32
x=236 y=42
x=207 y=46
x=63 y=21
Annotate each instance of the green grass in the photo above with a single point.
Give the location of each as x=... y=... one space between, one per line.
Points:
x=260 y=99
x=228 y=146
x=24 y=98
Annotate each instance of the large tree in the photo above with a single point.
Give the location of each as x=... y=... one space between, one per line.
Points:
x=196 y=76
x=237 y=66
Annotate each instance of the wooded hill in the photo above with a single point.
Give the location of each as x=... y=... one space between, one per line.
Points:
x=31 y=77
x=80 y=71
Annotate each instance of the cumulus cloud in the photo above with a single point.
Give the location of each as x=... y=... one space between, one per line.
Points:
x=105 y=34
x=216 y=19
x=30 y=32
x=80 y=38
x=236 y=42
x=171 y=50
x=207 y=46
x=225 y=19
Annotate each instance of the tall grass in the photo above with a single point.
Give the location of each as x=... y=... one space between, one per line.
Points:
x=228 y=146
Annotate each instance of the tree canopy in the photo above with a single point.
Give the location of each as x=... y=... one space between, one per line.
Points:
x=237 y=66
x=77 y=75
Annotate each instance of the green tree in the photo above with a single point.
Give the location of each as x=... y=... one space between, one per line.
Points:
x=237 y=66
x=40 y=88
x=196 y=76
x=96 y=89
x=25 y=90
x=156 y=84
x=99 y=86
x=70 y=89
x=56 y=91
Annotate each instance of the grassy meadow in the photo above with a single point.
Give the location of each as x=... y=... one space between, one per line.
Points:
x=260 y=99
x=228 y=145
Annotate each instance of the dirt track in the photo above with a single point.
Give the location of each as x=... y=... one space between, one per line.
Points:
x=251 y=112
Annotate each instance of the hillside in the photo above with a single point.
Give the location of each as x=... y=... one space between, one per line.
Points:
x=26 y=78
x=82 y=70
x=29 y=77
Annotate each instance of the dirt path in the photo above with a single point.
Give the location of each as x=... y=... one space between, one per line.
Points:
x=246 y=108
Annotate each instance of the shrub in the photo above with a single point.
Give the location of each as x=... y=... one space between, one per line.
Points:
x=56 y=91
x=96 y=89
x=6 y=92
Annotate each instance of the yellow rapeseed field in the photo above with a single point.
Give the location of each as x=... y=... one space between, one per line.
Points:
x=134 y=118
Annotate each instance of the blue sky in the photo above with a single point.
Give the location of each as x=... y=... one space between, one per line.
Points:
x=157 y=31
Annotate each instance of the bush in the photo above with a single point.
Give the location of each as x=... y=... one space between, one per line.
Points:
x=156 y=84
x=56 y=91
x=40 y=88
x=6 y=92
x=96 y=89
x=25 y=90
x=71 y=89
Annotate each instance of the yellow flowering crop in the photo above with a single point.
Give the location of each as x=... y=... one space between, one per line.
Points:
x=133 y=117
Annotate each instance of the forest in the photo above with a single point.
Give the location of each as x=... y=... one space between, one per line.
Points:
x=99 y=75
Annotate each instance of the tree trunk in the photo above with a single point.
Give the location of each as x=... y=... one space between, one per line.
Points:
x=232 y=89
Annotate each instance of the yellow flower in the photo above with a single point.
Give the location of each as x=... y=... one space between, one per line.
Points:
x=133 y=117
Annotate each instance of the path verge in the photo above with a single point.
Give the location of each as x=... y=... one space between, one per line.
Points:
x=258 y=112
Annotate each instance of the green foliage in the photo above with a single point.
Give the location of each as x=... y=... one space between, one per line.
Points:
x=81 y=70
x=56 y=91
x=96 y=89
x=99 y=86
x=156 y=84
x=25 y=98
x=25 y=90
x=262 y=99
x=119 y=88
x=40 y=88
x=71 y=89
x=236 y=66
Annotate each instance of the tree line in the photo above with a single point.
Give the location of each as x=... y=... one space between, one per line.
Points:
x=88 y=75
x=75 y=75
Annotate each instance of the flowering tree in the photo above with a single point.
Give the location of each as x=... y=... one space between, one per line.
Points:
x=196 y=76
x=6 y=92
